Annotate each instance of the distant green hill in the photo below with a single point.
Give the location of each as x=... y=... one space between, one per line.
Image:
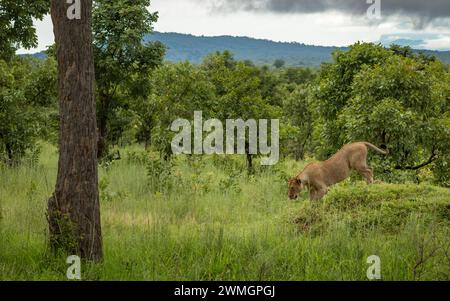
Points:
x=186 y=47
x=183 y=47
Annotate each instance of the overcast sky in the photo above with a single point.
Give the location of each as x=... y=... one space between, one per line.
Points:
x=420 y=23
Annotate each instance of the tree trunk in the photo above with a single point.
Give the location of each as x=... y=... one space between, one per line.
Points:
x=147 y=141
x=249 y=158
x=250 y=163
x=9 y=151
x=148 y=125
x=74 y=210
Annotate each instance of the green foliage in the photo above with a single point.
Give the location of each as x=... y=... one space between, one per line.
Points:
x=333 y=90
x=122 y=62
x=399 y=104
x=178 y=91
x=27 y=100
x=295 y=75
x=243 y=91
x=299 y=121
x=388 y=97
x=238 y=88
x=279 y=63
x=441 y=168
x=159 y=174
x=66 y=241
x=221 y=88
x=107 y=194
x=16 y=24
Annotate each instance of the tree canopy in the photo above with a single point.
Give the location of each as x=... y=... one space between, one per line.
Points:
x=16 y=24
x=122 y=60
x=390 y=97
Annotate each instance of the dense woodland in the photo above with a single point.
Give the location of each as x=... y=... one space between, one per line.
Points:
x=390 y=97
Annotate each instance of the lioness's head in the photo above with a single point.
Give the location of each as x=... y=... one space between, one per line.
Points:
x=295 y=186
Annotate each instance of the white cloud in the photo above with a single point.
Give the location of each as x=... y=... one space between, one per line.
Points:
x=428 y=40
x=440 y=43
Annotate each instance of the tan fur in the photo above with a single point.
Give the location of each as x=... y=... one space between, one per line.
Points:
x=317 y=177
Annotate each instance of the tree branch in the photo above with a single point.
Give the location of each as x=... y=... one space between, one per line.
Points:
x=428 y=162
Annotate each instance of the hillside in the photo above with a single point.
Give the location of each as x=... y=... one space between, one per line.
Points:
x=186 y=47
x=183 y=47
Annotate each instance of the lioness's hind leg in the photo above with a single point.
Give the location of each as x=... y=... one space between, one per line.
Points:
x=321 y=193
x=366 y=172
x=312 y=193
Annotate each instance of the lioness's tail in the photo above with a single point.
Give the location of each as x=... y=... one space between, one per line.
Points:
x=373 y=147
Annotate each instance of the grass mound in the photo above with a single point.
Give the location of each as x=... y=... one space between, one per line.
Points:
x=385 y=207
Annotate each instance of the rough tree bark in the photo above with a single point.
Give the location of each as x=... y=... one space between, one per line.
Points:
x=73 y=210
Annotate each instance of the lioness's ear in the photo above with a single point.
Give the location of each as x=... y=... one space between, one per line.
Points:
x=299 y=181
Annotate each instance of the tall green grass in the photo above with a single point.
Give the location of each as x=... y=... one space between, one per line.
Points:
x=204 y=218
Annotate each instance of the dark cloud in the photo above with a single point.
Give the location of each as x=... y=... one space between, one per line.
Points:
x=423 y=10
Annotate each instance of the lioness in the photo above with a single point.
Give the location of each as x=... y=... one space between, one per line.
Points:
x=317 y=177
